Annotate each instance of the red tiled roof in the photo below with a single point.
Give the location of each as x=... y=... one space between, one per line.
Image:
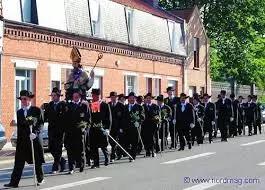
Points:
x=144 y=6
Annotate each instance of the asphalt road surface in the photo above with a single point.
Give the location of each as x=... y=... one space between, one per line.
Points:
x=236 y=164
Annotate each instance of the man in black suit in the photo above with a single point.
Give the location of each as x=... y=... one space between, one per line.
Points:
x=101 y=122
x=233 y=124
x=241 y=115
x=257 y=122
x=54 y=114
x=78 y=119
x=166 y=115
x=185 y=121
x=249 y=108
x=224 y=114
x=172 y=101
x=197 y=131
x=134 y=115
x=117 y=127
x=209 y=116
x=150 y=125
x=26 y=116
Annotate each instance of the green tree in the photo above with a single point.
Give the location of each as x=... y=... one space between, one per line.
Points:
x=237 y=30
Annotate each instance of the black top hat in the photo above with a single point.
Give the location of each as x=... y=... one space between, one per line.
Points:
x=223 y=92
x=25 y=93
x=160 y=98
x=205 y=94
x=77 y=91
x=139 y=99
x=241 y=97
x=131 y=94
x=95 y=91
x=232 y=95
x=184 y=95
x=149 y=94
x=121 y=96
x=56 y=91
x=112 y=94
x=250 y=96
x=255 y=96
x=170 y=88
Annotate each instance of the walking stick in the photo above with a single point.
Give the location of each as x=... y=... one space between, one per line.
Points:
x=141 y=140
x=163 y=136
x=100 y=56
x=33 y=160
x=120 y=146
x=174 y=125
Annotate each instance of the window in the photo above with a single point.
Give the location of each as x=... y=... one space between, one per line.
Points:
x=129 y=22
x=24 y=81
x=202 y=90
x=130 y=84
x=97 y=84
x=149 y=85
x=157 y=90
x=192 y=90
x=56 y=84
x=174 y=84
x=29 y=11
x=172 y=35
x=96 y=22
x=196 y=50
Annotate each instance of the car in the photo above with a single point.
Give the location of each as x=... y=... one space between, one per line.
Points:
x=3 y=139
x=44 y=135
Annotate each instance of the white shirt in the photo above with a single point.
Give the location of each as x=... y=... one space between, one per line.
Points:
x=183 y=105
x=25 y=109
x=131 y=106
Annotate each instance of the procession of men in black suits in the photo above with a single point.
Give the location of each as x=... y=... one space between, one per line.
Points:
x=85 y=126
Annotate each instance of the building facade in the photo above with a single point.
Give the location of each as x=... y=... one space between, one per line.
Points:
x=144 y=47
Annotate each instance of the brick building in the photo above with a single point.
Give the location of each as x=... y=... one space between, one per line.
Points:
x=145 y=48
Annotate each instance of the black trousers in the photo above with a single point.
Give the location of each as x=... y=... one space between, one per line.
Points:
x=55 y=147
x=18 y=169
x=172 y=136
x=114 y=134
x=150 y=135
x=75 y=146
x=233 y=128
x=249 y=123
x=184 y=132
x=208 y=128
x=196 y=133
x=223 y=124
x=163 y=134
x=95 y=154
x=132 y=140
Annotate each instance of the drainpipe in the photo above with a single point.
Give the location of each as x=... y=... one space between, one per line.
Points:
x=1 y=56
x=183 y=75
x=206 y=67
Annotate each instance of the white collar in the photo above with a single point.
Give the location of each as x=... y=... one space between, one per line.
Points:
x=77 y=102
x=183 y=104
x=26 y=108
x=197 y=105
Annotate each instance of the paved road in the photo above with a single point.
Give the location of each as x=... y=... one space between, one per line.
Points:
x=237 y=164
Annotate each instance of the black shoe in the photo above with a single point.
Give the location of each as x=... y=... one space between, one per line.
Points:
x=11 y=185
x=148 y=154
x=40 y=182
x=119 y=157
x=106 y=163
x=189 y=145
x=180 y=149
x=81 y=169
x=62 y=164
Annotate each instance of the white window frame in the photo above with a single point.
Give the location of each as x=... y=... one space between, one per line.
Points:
x=172 y=34
x=171 y=82
x=129 y=24
x=55 y=74
x=157 y=86
x=135 y=88
x=96 y=18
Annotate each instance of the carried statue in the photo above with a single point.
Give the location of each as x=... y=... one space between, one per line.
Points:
x=79 y=79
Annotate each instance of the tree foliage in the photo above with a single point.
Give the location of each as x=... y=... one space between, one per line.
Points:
x=236 y=29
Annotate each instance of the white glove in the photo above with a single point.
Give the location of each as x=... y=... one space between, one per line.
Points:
x=106 y=132
x=121 y=131
x=199 y=119
x=174 y=121
x=32 y=136
x=213 y=123
x=192 y=125
x=231 y=119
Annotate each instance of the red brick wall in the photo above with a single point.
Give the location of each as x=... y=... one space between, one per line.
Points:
x=46 y=53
